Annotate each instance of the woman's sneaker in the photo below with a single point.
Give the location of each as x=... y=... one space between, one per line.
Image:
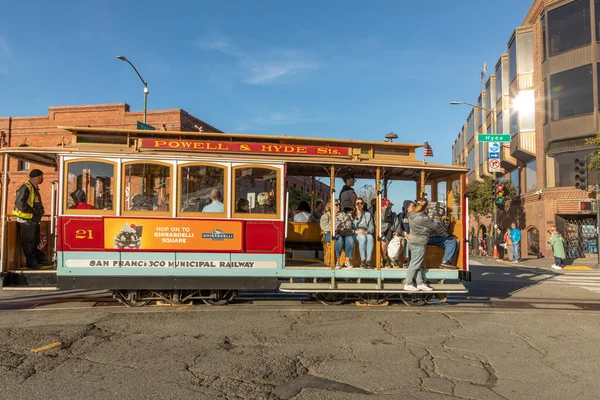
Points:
x=410 y=288
x=337 y=265
x=424 y=287
x=363 y=264
x=554 y=266
x=348 y=264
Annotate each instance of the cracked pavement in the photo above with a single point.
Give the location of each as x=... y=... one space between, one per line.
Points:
x=319 y=353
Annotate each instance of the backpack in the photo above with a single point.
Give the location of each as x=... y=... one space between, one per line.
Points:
x=395 y=247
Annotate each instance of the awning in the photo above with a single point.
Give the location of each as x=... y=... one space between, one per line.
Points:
x=565 y=146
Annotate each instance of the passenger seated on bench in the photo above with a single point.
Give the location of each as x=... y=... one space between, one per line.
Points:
x=264 y=204
x=242 y=206
x=440 y=237
x=363 y=226
x=303 y=213
x=80 y=199
x=137 y=203
x=344 y=234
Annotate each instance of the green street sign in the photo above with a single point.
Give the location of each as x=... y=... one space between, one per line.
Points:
x=494 y=137
x=144 y=127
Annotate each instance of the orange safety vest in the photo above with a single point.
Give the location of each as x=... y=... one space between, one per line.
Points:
x=30 y=201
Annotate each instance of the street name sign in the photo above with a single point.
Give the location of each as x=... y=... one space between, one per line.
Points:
x=144 y=127
x=494 y=137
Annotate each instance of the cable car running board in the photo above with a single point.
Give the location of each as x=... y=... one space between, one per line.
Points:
x=364 y=288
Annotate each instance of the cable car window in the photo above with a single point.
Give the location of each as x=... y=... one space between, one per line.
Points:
x=146 y=188
x=256 y=192
x=202 y=189
x=89 y=187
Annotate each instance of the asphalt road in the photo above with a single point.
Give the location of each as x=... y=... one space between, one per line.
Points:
x=520 y=334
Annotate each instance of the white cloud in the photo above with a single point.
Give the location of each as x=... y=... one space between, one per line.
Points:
x=259 y=66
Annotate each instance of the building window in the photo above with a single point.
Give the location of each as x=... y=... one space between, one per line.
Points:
x=525 y=104
x=512 y=58
x=471 y=124
x=525 y=52
x=546 y=102
x=22 y=165
x=146 y=188
x=597 y=7
x=471 y=161
x=514 y=179
x=89 y=187
x=572 y=92
x=569 y=26
x=544 y=50
x=499 y=127
x=564 y=168
x=514 y=122
x=202 y=190
x=480 y=153
x=530 y=176
x=499 y=81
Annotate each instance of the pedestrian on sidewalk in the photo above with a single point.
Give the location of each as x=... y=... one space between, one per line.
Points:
x=558 y=247
x=515 y=238
x=500 y=243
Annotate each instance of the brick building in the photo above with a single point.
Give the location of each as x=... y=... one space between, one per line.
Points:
x=42 y=131
x=544 y=91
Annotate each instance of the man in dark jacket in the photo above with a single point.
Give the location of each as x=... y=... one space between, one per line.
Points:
x=347 y=194
x=29 y=211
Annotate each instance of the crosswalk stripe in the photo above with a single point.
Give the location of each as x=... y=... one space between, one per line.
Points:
x=584 y=280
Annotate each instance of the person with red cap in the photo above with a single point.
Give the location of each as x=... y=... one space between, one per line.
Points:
x=29 y=211
x=390 y=228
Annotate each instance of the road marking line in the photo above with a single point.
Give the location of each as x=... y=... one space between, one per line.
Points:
x=577 y=268
x=46 y=347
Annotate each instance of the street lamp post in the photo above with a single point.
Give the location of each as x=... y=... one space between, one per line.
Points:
x=493 y=111
x=122 y=58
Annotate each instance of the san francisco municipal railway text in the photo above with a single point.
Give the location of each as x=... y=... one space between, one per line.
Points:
x=172 y=264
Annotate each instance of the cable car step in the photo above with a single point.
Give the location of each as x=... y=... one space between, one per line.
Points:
x=30 y=280
x=367 y=288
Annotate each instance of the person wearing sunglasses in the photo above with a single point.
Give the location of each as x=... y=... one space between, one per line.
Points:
x=364 y=227
x=343 y=236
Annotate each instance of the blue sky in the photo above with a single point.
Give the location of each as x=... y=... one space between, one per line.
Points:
x=343 y=69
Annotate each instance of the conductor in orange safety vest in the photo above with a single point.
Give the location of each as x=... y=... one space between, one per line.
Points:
x=29 y=211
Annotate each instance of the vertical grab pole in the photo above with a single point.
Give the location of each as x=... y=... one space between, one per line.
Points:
x=332 y=219
x=53 y=218
x=377 y=217
x=5 y=182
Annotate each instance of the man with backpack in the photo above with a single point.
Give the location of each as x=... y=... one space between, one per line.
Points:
x=392 y=235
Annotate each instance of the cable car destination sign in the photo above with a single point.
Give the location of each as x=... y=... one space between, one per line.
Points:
x=241 y=147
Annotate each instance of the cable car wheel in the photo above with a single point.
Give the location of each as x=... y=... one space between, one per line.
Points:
x=415 y=299
x=331 y=299
x=133 y=298
x=218 y=297
x=373 y=298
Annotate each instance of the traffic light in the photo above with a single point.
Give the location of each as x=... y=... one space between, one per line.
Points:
x=581 y=174
x=586 y=206
x=499 y=193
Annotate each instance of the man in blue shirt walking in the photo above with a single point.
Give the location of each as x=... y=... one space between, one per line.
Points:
x=515 y=238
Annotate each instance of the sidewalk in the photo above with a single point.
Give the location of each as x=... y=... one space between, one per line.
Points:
x=578 y=264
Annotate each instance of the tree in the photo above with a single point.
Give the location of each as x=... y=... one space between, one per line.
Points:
x=296 y=196
x=367 y=192
x=594 y=161
x=482 y=196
